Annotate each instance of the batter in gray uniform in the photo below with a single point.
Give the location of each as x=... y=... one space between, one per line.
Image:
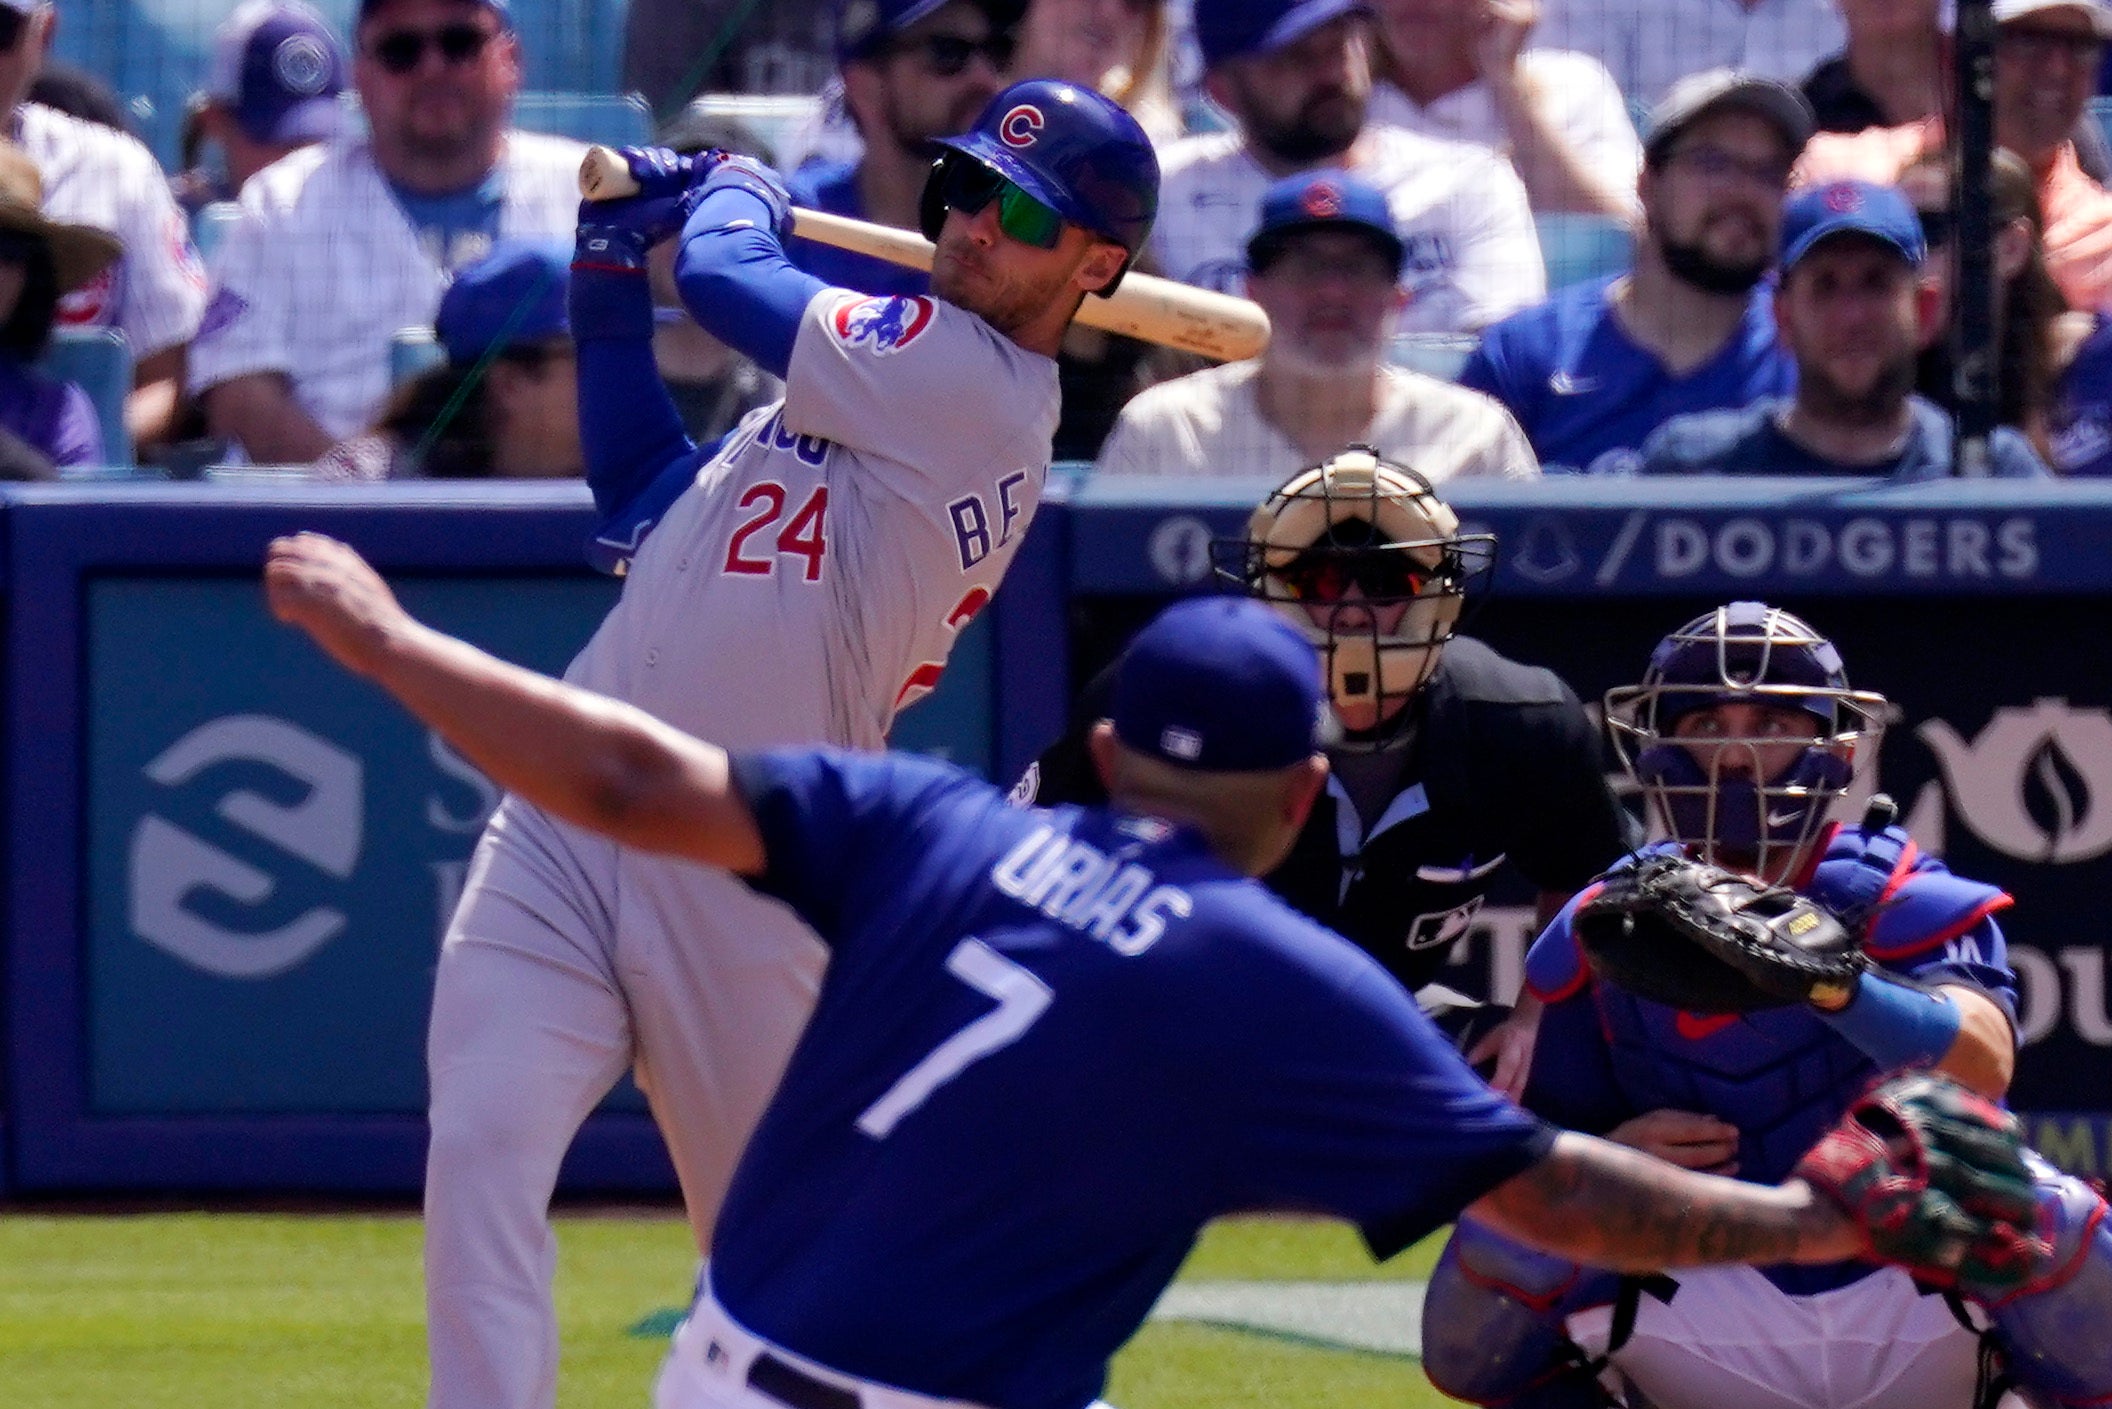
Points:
x=800 y=585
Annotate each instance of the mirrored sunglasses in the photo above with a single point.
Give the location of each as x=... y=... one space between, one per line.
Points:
x=967 y=186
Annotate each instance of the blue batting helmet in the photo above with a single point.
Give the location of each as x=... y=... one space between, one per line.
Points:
x=1709 y=789
x=1068 y=147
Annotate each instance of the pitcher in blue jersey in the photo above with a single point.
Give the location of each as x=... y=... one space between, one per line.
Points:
x=1050 y=1044
x=1742 y=734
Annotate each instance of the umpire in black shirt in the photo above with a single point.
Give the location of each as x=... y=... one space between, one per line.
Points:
x=1451 y=763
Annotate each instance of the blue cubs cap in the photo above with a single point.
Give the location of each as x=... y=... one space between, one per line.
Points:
x=512 y=297
x=1322 y=200
x=279 y=70
x=1232 y=29
x=863 y=26
x=1880 y=213
x=1221 y=685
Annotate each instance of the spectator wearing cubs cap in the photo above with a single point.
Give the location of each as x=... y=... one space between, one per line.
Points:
x=1325 y=263
x=343 y=243
x=273 y=88
x=1853 y=311
x=505 y=403
x=912 y=71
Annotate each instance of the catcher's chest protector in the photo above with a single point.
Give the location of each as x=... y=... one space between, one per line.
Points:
x=1781 y=1075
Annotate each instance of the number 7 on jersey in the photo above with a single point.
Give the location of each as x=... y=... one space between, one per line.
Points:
x=1021 y=998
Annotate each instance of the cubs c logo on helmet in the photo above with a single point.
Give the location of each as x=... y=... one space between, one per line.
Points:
x=1842 y=197
x=1019 y=127
x=883 y=324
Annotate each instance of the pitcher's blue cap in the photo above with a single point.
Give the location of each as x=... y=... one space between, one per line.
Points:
x=1220 y=685
x=1319 y=200
x=1880 y=213
x=512 y=297
x=1232 y=29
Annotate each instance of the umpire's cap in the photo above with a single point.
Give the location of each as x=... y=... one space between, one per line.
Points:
x=1221 y=685
x=1078 y=153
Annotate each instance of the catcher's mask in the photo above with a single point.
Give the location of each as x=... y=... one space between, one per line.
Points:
x=1370 y=564
x=1713 y=792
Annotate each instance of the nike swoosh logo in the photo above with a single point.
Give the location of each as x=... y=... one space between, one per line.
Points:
x=1695 y=1026
x=1563 y=384
x=1784 y=819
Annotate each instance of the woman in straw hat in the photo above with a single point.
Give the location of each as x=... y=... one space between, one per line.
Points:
x=44 y=422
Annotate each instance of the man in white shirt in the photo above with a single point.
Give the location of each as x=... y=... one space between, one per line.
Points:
x=1326 y=264
x=96 y=176
x=1648 y=45
x=1296 y=77
x=1460 y=69
x=341 y=245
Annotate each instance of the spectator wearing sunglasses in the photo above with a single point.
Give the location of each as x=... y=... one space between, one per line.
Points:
x=913 y=71
x=1854 y=313
x=342 y=244
x=1295 y=76
x=2047 y=57
x=96 y=176
x=1325 y=264
x=1455 y=770
x=272 y=88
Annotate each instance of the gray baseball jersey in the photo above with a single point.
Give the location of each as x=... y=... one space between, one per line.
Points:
x=808 y=585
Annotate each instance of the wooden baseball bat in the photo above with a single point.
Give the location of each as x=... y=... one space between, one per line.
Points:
x=1157 y=310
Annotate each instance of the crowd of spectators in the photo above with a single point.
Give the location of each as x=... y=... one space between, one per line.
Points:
x=1386 y=178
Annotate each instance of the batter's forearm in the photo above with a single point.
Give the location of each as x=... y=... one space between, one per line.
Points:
x=737 y=283
x=596 y=762
x=629 y=430
x=1595 y=1202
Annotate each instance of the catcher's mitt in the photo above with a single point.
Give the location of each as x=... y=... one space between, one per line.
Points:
x=1707 y=940
x=1934 y=1176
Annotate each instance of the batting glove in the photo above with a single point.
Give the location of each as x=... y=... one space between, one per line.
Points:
x=732 y=172
x=617 y=234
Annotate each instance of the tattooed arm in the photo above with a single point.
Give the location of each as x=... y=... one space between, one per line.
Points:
x=1596 y=1202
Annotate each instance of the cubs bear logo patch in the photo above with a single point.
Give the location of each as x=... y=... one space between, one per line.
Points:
x=883 y=324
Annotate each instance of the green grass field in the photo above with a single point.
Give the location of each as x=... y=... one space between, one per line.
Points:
x=253 y=1311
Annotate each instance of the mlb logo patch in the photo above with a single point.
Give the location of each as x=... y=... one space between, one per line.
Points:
x=883 y=324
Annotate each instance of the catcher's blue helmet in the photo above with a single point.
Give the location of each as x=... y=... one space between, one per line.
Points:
x=1068 y=147
x=1710 y=793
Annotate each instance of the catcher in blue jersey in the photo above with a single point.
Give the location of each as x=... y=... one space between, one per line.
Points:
x=1051 y=1044
x=1742 y=735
